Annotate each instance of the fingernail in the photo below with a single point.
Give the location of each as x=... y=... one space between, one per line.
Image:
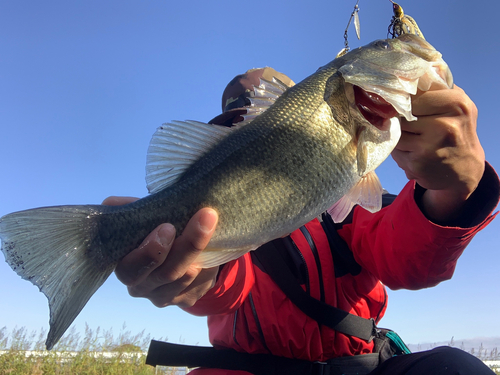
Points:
x=166 y=234
x=208 y=221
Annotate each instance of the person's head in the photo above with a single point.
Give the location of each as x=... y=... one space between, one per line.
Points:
x=236 y=94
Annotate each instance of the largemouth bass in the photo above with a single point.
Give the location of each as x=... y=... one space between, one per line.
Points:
x=317 y=144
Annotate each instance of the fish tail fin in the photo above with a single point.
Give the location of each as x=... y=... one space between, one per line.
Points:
x=49 y=247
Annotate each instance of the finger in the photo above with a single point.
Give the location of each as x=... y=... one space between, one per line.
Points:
x=184 y=251
x=408 y=141
x=161 y=292
x=438 y=102
x=425 y=134
x=138 y=265
x=185 y=291
x=403 y=160
x=198 y=288
x=439 y=113
x=118 y=201
x=190 y=243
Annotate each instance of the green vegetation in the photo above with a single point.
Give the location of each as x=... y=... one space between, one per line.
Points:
x=15 y=362
x=99 y=352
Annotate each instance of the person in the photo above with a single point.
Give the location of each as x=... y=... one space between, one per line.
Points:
x=413 y=242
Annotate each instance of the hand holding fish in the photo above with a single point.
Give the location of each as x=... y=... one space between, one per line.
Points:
x=161 y=268
x=441 y=151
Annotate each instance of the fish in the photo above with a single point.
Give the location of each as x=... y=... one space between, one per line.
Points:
x=301 y=150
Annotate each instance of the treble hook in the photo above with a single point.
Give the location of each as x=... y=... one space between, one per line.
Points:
x=402 y=23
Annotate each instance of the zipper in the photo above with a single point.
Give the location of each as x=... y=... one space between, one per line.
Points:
x=383 y=304
x=257 y=322
x=234 y=327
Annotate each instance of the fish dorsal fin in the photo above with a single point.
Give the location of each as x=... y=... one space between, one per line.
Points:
x=264 y=97
x=367 y=193
x=178 y=144
x=175 y=146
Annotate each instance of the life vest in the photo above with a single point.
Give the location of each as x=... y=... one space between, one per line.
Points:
x=294 y=264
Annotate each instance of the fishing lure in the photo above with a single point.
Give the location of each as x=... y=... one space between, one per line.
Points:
x=402 y=23
x=354 y=15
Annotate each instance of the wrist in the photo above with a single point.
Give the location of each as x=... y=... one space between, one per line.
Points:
x=447 y=209
x=441 y=206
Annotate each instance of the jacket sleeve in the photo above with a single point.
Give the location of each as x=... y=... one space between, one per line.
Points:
x=234 y=282
x=404 y=249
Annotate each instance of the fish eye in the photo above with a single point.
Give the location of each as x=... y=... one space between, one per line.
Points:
x=383 y=44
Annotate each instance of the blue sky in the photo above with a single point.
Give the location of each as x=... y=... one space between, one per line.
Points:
x=84 y=85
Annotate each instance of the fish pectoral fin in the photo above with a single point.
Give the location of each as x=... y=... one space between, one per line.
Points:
x=214 y=257
x=362 y=154
x=367 y=193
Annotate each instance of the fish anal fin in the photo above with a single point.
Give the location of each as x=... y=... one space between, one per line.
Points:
x=362 y=154
x=367 y=193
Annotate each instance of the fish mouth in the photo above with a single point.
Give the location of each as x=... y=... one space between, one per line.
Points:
x=375 y=109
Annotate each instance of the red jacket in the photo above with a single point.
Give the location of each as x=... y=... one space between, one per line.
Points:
x=398 y=247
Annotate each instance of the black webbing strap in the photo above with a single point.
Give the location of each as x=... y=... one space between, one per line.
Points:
x=330 y=316
x=167 y=354
x=343 y=258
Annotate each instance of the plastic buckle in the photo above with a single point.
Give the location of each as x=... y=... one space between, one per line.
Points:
x=375 y=330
